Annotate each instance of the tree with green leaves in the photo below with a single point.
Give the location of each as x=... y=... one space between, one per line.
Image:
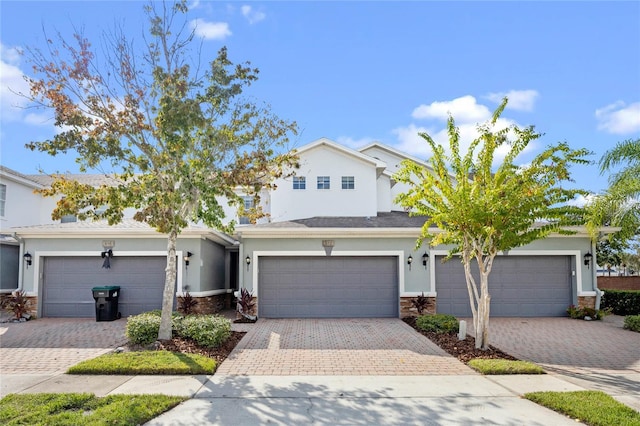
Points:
x=179 y=139
x=480 y=210
x=620 y=205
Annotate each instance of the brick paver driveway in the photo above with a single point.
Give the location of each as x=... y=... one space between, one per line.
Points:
x=51 y=345
x=337 y=347
x=574 y=346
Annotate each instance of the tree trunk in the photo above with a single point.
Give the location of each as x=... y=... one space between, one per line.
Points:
x=169 y=288
x=484 y=306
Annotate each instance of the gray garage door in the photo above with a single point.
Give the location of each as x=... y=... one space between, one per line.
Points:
x=520 y=286
x=328 y=287
x=68 y=281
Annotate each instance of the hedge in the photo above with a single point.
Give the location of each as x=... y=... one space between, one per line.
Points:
x=622 y=302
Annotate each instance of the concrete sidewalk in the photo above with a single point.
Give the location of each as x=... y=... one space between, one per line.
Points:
x=250 y=400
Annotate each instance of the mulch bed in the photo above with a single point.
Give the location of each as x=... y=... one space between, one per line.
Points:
x=465 y=350
x=178 y=344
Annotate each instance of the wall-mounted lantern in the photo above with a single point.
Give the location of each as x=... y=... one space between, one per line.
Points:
x=106 y=255
x=247 y=260
x=186 y=258
x=27 y=258
x=425 y=259
x=409 y=261
x=587 y=259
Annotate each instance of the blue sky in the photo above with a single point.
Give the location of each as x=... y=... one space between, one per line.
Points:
x=356 y=71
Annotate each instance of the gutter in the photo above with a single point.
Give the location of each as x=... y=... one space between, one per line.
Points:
x=20 y=261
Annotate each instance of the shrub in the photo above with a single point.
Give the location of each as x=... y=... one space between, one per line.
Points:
x=632 y=322
x=420 y=303
x=577 y=312
x=18 y=304
x=186 y=304
x=206 y=330
x=143 y=329
x=622 y=302
x=440 y=323
x=246 y=301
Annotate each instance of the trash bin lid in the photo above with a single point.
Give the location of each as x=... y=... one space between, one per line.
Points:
x=106 y=288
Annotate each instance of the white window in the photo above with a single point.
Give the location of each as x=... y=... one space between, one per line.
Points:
x=299 y=182
x=324 y=182
x=348 y=182
x=3 y=198
x=248 y=205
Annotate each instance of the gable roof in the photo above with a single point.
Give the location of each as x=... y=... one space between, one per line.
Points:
x=28 y=180
x=395 y=152
x=379 y=164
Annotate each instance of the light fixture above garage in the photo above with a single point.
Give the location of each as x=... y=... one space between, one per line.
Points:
x=27 y=258
x=247 y=260
x=587 y=259
x=409 y=261
x=186 y=258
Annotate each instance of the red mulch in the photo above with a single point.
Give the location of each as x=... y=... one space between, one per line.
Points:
x=178 y=344
x=465 y=350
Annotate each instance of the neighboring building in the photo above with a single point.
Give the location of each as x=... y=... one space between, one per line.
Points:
x=334 y=244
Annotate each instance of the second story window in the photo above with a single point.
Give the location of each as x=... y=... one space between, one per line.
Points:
x=324 y=182
x=299 y=182
x=248 y=205
x=3 y=198
x=348 y=182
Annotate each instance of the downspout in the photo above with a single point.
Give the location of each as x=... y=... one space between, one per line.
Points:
x=20 y=262
x=594 y=277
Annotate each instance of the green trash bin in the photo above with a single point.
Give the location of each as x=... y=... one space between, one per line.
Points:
x=106 y=298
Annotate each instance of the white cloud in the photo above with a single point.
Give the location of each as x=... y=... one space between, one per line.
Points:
x=519 y=100
x=464 y=110
x=11 y=83
x=467 y=113
x=581 y=200
x=619 y=118
x=210 y=30
x=194 y=4
x=252 y=16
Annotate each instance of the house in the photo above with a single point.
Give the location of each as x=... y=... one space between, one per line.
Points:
x=334 y=244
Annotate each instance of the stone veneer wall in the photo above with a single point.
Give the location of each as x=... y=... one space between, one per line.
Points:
x=587 y=302
x=407 y=309
x=209 y=304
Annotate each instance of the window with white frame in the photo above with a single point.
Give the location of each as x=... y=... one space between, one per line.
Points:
x=3 y=198
x=299 y=182
x=348 y=182
x=248 y=205
x=324 y=182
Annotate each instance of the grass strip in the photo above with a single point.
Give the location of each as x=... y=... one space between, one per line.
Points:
x=594 y=408
x=504 y=366
x=83 y=409
x=146 y=362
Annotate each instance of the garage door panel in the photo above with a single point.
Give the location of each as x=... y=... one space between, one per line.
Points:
x=68 y=282
x=519 y=286
x=328 y=287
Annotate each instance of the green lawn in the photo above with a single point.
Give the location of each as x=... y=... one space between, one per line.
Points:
x=504 y=366
x=593 y=408
x=83 y=409
x=146 y=362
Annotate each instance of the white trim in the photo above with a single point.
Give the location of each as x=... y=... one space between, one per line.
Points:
x=38 y=275
x=400 y=254
x=577 y=254
x=419 y=293
x=207 y=292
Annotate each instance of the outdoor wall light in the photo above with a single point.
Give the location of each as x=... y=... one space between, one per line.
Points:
x=425 y=259
x=409 y=261
x=27 y=258
x=186 y=258
x=106 y=255
x=587 y=259
x=247 y=260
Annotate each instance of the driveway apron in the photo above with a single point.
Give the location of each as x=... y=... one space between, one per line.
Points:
x=51 y=345
x=285 y=347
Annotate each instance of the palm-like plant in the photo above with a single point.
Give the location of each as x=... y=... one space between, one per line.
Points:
x=620 y=204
